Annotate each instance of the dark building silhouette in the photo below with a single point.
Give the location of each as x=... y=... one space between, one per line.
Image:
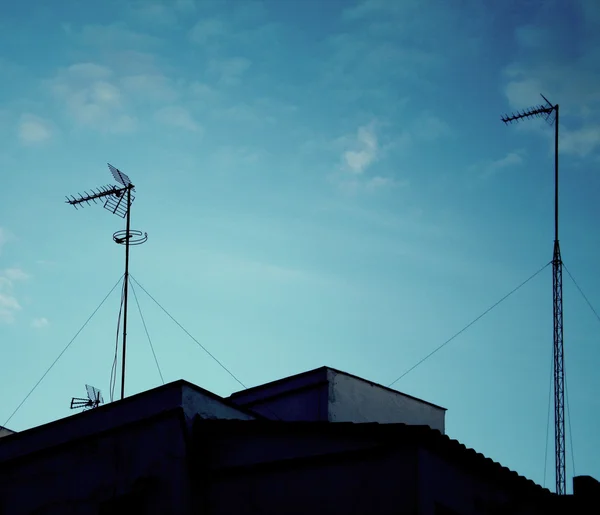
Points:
x=5 y=431
x=319 y=442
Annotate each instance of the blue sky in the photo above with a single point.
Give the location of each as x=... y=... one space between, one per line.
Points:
x=323 y=183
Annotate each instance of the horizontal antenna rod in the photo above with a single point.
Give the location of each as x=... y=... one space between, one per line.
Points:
x=103 y=191
x=529 y=113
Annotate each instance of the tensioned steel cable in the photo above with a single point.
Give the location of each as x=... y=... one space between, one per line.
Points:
x=581 y=291
x=147 y=334
x=267 y=408
x=569 y=422
x=187 y=332
x=62 y=352
x=113 y=370
x=470 y=324
x=548 y=416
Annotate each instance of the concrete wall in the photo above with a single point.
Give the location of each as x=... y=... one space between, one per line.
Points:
x=327 y=394
x=196 y=402
x=308 y=403
x=355 y=400
x=85 y=475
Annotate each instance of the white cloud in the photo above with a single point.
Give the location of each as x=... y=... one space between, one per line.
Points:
x=362 y=151
x=154 y=12
x=33 y=130
x=523 y=92
x=581 y=142
x=8 y=308
x=428 y=127
x=89 y=71
x=177 y=116
x=206 y=31
x=92 y=98
x=115 y=36
x=9 y=305
x=3 y=238
x=15 y=274
x=493 y=167
x=151 y=86
x=382 y=182
x=365 y=150
x=229 y=71
x=39 y=323
x=566 y=74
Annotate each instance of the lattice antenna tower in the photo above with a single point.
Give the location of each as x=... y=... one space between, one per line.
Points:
x=117 y=200
x=549 y=113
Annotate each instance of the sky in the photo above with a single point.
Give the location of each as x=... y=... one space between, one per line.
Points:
x=322 y=183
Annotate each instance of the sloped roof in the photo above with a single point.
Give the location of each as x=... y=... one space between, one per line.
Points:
x=388 y=434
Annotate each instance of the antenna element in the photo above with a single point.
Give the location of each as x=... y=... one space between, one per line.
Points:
x=94 y=399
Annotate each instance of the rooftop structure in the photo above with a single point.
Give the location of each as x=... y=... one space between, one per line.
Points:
x=181 y=449
x=327 y=394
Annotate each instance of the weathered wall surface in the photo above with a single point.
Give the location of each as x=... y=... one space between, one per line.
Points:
x=196 y=402
x=306 y=404
x=354 y=400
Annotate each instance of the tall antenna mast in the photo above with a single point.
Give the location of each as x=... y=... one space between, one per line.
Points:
x=118 y=201
x=550 y=113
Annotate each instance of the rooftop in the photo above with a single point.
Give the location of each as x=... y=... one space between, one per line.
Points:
x=386 y=434
x=288 y=379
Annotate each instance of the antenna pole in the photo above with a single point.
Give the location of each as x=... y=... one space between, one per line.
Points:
x=559 y=359
x=547 y=111
x=118 y=201
x=127 y=237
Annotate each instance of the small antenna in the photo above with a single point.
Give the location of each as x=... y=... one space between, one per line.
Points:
x=118 y=201
x=94 y=399
x=544 y=111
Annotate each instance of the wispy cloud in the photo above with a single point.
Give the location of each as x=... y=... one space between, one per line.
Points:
x=566 y=74
x=34 y=130
x=491 y=168
x=429 y=127
x=581 y=142
x=361 y=152
x=208 y=31
x=233 y=268
x=115 y=36
x=154 y=12
x=364 y=152
x=380 y=53
x=39 y=323
x=150 y=86
x=92 y=98
x=3 y=238
x=15 y=274
x=177 y=116
x=9 y=305
x=229 y=72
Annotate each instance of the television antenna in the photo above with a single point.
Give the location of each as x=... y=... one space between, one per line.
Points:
x=117 y=200
x=549 y=112
x=94 y=399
